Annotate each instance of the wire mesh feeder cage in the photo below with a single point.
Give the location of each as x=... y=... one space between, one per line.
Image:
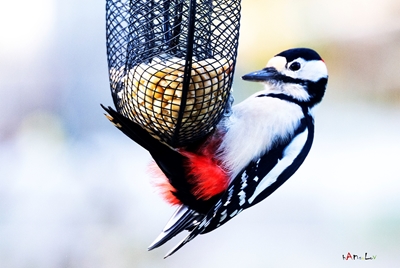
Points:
x=171 y=63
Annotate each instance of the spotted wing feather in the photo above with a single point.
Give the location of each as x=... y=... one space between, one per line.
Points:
x=244 y=190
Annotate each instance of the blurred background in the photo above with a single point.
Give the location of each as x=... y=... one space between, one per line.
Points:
x=74 y=190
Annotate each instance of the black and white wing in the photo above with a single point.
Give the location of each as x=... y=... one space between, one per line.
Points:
x=258 y=180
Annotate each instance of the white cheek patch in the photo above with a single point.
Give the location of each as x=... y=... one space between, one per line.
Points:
x=313 y=71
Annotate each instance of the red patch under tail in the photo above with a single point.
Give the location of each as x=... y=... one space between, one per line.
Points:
x=206 y=176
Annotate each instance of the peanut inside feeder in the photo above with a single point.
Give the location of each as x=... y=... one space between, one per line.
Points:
x=151 y=94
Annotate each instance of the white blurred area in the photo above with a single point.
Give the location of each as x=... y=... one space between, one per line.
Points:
x=74 y=191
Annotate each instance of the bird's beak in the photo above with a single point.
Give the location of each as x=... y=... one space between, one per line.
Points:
x=266 y=74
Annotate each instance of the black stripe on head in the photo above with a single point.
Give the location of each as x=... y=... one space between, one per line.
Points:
x=295 y=53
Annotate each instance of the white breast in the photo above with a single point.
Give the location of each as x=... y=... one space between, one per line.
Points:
x=253 y=128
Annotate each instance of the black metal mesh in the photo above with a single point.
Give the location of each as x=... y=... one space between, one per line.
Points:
x=171 y=63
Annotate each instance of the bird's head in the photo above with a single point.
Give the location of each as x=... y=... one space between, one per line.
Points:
x=299 y=72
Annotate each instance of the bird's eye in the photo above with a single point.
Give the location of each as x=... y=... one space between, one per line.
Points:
x=295 y=66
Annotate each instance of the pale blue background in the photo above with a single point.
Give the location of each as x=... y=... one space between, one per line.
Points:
x=74 y=191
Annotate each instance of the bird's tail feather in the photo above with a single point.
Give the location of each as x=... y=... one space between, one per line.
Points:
x=193 y=233
x=183 y=219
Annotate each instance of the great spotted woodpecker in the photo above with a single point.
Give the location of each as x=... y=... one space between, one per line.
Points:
x=248 y=156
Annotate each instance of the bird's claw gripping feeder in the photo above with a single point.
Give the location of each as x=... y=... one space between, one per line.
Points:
x=171 y=64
